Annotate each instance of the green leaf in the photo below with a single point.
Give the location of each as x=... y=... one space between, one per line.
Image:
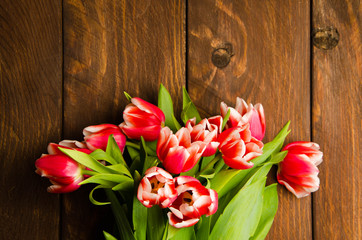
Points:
x=189 y=109
x=175 y=122
x=270 y=207
x=120 y=169
x=187 y=233
x=148 y=162
x=139 y=213
x=123 y=186
x=127 y=96
x=206 y=160
x=241 y=216
x=108 y=236
x=95 y=202
x=166 y=105
x=99 y=154
x=156 y=223
x=203 y=228
x=278 y=157
x=115 y=178
x=151 y=148
x=87 y=160
x=226 y=180
x=226 y=119
x=114 y=151
x=120 y=216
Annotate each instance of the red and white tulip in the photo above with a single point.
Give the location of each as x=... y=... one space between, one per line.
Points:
x=193 y=201
x=243 y=114
x=157 y=188
x=63 y=172
x=177 y=152
x=238 y=147
x=298 y=171
x=206 y=131
x=96 y=137
x=142 y=118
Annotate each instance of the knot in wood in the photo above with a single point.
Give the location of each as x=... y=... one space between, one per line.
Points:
x=221 y=55
x=325 y=38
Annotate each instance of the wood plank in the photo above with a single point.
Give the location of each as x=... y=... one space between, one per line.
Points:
x=337 y=75
x=270 y=64
x=111 y=47
x=30 y=115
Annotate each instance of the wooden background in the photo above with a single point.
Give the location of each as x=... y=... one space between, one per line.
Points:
x=65 y=64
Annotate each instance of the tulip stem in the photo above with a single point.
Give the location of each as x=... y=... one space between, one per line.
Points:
x=209 y=165
x=89 y=172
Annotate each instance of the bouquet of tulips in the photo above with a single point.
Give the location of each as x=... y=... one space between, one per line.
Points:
x=203 y=180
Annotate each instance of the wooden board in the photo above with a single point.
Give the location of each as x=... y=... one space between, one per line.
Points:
x=30 y=115
x=111 y=47
x=269 y=41
x=337 y=75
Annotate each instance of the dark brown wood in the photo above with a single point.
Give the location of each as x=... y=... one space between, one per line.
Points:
x=30 y=115
x=269 y=43
x=337 y=75
x=111 y=47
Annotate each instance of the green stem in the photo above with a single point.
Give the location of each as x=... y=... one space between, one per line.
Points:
x=209 y=165
x=88 y=172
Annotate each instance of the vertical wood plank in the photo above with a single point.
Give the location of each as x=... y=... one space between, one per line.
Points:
x=30 y=115
x=270 y=64
x=110 y=47
x=337 y=75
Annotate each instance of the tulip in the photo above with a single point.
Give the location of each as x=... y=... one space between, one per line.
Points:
x=193 y=201
x=177 y=152
x=298 y=171
x=206 y=132
x=63 y=172
x=238 y=147
x=96 y=137
x=243 y=113
x=157 y=188
x=142 y=118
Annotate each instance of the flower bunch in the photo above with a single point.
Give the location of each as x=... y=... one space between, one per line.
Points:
x=198 y=176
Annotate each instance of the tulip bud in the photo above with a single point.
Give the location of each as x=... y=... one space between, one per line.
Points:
x=96 y=137
x=243 y=114
x=157 y=188
x=193 y=201
x=63 y=172
x=177 y=152
x=206 y=132
x=298 y=171
x=238 y=147
x=142 y=119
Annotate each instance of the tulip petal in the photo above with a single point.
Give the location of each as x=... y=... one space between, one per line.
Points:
x=149 y=108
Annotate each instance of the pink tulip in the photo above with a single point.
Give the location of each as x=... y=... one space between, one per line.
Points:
x=298 y=171
x=96 y=137
x=206 y=131
x=193 y=201
x=157 y=188
x=144 y=119
x=63 y=172
x=238 y=147
x=243 y=113
x=177 y=152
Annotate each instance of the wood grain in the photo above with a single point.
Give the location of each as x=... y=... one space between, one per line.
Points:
x=337 y=75
x=111 y=47
x=30 y=115
x=270 y=64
